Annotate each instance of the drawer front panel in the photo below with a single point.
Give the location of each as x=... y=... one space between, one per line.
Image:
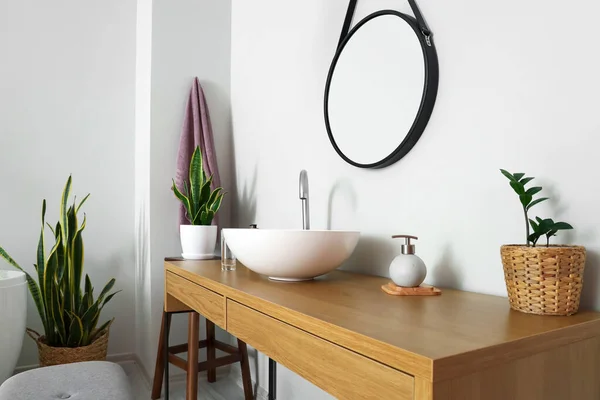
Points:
x=204 y=301
x=341 y=372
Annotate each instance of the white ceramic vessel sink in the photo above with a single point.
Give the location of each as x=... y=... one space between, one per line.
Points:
x=291 y=255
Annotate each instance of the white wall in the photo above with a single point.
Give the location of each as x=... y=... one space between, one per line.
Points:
x=189 y=38
x=518 y=90
x=67 y=94
x=144 y=333
x=99 y=90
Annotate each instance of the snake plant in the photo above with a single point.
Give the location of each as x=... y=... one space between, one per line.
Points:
x=200 y=203
x=69 y=314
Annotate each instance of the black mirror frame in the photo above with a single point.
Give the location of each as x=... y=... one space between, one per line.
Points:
x=430 y=88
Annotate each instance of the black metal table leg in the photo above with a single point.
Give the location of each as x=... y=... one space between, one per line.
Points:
x=166 y=352
x=272 y=380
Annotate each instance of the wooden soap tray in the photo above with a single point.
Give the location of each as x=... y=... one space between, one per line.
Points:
x=423 y=290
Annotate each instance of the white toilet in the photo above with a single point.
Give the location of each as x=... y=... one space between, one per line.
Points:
x=13 y=313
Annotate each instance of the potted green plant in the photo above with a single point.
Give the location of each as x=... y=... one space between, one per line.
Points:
x=69 y=313
x=541 y=279
x=198 y=240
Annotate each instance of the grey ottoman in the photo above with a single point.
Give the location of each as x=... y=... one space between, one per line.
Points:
x=94 y=380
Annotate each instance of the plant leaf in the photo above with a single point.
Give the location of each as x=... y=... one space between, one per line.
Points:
x=77 y=260
x=203 y=217
x=81 y=203
x=525 y=199
x=76 y=332
x=51 y=228
x=536 y=201
x=534 y=225
x=41 y=252
x=518 y=187
x=196 y=178
x=49 y=283
x=60 y=252
x=90 y=315
x=213 y=197
x=100 y=330
x=205 y=192
x=63 y=210
x=533 y=238
x=560 y=226
x=186 y=189
x=525 y=181
x=72 y=294
x=83 y=304
x=508 y=175
x=34 y=288
x=183 y=199
x=57 y=230
x=206 y=216
x=106 y=289
x=109 y=298
x=217 y=204
x=544 y=226
x=57 y=304
x=88 y=284
x=194 y=221
x=72 y=221
x=533 y=190
x=518 y=176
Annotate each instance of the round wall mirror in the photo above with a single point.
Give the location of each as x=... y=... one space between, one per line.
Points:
x=381 y=89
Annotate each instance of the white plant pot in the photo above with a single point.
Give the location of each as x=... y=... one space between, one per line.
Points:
x=13 y=313
x=198 y=242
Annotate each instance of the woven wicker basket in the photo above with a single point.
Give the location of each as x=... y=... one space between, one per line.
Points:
x=65 y=355
x=544 y=280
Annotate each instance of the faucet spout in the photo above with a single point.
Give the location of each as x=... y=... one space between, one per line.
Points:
x=303 y=188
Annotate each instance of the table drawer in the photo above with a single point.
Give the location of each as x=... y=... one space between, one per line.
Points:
x=206 y=302
x=341 y=372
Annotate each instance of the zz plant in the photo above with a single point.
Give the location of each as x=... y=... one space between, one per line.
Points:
x=541 y=227
x=200 y=203
x=69 y=314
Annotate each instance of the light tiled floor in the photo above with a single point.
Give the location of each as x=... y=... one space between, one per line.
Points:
x=224 y=389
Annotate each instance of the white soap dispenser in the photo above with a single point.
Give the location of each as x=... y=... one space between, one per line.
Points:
x=407 y=270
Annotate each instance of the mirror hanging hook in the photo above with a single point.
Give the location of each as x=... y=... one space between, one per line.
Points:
x=425 y=31
x=427 y=36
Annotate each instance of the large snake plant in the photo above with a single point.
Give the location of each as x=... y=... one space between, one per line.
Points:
x=200 y=203
x=69 y=315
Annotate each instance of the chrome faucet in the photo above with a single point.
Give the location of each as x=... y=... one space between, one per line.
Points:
x=304 y=197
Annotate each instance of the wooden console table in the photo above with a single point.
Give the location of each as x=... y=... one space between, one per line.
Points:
x=343 y=334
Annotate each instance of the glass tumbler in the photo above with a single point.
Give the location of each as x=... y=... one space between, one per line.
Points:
x=228 y=261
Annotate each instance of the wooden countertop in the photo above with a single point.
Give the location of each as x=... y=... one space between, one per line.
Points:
x=437 y=337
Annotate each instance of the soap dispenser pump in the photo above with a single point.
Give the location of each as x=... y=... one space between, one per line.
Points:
x=407 y=269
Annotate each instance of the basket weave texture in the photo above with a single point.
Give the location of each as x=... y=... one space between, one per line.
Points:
x=66 y=355
x=544 y=280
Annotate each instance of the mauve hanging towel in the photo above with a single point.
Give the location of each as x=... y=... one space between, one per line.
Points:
x=197 y=131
